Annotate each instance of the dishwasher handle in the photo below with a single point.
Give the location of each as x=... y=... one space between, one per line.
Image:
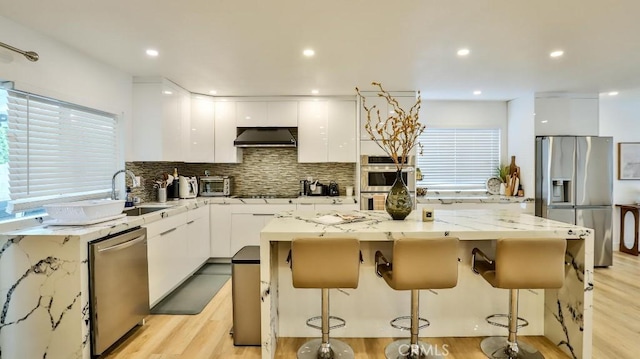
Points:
x=124 y=245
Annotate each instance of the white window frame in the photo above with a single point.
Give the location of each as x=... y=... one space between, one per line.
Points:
x=58 y=151
x=458 y=159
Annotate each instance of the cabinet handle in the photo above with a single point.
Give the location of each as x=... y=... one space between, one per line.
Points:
x=263 y=214
x=190 y=222
x=165 y=232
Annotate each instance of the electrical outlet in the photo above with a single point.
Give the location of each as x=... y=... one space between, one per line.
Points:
x=138 y=181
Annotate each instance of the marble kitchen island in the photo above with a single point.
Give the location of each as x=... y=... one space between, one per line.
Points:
x=564 y=316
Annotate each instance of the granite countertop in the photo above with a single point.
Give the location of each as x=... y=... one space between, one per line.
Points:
x=469 y=197
x=296 y=200
x=102 y=229
x=378 y=226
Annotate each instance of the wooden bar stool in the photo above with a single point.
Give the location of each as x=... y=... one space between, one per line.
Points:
x=418 y=263
x=325 y=263
x=520 y=263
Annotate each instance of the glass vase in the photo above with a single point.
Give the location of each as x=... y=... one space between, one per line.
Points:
x=398 y=203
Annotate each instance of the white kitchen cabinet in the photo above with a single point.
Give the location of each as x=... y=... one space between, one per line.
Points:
x=225 y=133
x=160 y=112
x=167 y=255
x=327 y=131
x=566 y=116
x=220 y=224
x=251 y=114
x=248 y=220
x=282 y=113
x=201 y=141
x=406 y=100
x=267 y=114
x=341 y=123
x=312 y=131
x=198 y=238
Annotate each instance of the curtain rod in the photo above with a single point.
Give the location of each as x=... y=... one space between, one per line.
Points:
x=30 y=55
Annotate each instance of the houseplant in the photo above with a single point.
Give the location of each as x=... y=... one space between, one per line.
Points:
x=396 y=133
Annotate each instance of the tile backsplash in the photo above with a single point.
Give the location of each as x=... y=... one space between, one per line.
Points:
x=263 y=171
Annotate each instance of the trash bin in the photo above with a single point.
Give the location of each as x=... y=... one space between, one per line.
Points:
x=245 y=296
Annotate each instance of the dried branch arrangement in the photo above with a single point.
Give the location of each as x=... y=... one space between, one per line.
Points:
x=398 y=133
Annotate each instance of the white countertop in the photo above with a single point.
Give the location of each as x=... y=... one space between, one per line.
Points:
x=462 y=197
x=464 y=224
x=99 y=230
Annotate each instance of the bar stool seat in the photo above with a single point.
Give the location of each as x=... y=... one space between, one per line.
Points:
x=418 y=263
x=520 y=263
x=325 y=263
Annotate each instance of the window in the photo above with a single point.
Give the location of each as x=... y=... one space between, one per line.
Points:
x=458 y=159
x=52 y=151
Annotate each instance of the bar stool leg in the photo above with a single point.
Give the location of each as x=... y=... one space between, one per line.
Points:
x=412 y=348
x=325 y=348
x=509 y=347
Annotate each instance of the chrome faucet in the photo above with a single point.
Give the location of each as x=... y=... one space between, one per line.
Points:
x=113 y=181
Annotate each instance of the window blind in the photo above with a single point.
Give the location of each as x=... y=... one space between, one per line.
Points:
x=57 y=151
x=458 y=159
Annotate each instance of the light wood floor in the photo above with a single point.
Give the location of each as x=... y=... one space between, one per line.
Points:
x=616 y=331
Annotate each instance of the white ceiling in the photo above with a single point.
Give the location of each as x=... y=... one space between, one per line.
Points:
x=253 y=47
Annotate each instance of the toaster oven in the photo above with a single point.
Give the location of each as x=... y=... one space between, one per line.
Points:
x=216 y=186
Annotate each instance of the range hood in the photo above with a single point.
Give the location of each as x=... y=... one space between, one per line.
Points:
x=265 y=137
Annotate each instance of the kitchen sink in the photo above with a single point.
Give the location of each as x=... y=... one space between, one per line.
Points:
x=138 y=211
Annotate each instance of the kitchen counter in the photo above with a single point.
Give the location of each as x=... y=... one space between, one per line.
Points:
x=44 y=282
x=564 y=315
x=296 y=200
x=477 y=197
x=44 y=287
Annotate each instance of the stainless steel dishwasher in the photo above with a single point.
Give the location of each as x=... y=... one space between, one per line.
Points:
x=119 y=286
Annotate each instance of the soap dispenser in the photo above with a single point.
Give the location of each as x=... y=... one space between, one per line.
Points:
x=129 y=200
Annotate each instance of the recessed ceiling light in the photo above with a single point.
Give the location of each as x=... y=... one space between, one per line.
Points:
x=613 y=93
x=556 y=53
x=544 y=121
x=167 y=92
x=315 y=92
x=477 y=92
x=308 y=52
x=463 y=52
x=213 y=92
x=152 y=52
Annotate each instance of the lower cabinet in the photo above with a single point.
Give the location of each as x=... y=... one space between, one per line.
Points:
x=220 y=225
x=198 y=238
x=248 y=220
x=176 y=247
x=167 y=255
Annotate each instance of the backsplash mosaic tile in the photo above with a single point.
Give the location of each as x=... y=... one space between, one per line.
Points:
x=263 y=171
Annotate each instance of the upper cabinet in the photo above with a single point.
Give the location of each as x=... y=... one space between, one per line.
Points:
x=406 y=100
x=567 y=116
x=225 y=133
x=327 y=131
x=267 y=113
x=160 y=119
x=201 y=130
x=212 y=131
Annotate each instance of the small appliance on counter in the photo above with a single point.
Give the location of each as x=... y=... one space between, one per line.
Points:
x=215 y=186
x=304 y=188
x=188 y=187
x=333 y=189
x=317 y=189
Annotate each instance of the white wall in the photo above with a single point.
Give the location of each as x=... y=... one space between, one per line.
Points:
x=521 y=140
x=467 y=114
x=64 y=73
x=620 y=118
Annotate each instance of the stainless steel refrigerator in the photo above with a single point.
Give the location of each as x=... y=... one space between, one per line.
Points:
x=574 y=184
